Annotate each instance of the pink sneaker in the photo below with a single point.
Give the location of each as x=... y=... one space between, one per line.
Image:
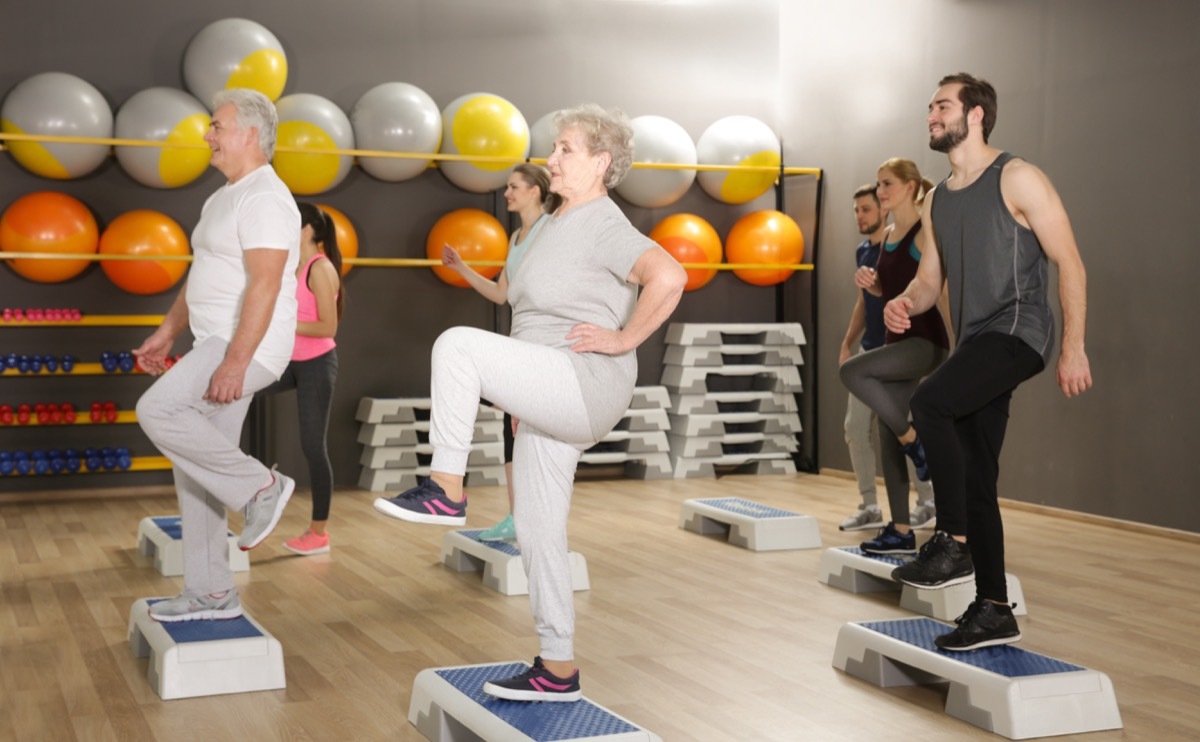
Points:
x=308 y=543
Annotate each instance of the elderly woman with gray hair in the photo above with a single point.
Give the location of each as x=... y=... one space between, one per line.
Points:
x=567 y=372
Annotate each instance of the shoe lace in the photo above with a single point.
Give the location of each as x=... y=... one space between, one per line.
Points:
x=421 y=492
x=969 y=615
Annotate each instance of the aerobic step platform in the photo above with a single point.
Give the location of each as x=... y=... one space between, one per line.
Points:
x=706 y=466
x=1006 y=690
x=721 y=355
x=407 y=410
x=749 y=524
x=417 y=432
x=398 y=480
x=410 y=457
x=770 y=333
x=850 y=568
x=500 y=561
x=712 y=403
x=162 y=538
x=448 y=705
x=696 y=379
x=205 y=658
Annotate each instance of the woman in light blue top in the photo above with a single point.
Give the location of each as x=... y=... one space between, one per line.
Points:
x=528 y=194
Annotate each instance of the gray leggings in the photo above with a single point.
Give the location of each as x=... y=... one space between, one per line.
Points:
x=885 y=378
x=538 y=386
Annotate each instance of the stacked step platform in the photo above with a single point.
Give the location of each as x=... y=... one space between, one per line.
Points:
x=732 y=394
x=639 y=440
x=396 y=448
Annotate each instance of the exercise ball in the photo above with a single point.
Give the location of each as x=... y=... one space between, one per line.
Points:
x=308 y=121
x=396 y=117
x=487 y=125
x=347 y=237
x=476 y=235
x=144 y=233
x=690 y=239
x=163 y=115
x=658 y=140
x=738 y=140
x=57 y=104
x=50 y=222
x=764 y=237
x=541 y=136
x=234 y=53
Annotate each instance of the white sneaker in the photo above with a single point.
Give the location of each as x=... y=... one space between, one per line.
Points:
x=264 y=510
x=866 y=517
x=187 y=607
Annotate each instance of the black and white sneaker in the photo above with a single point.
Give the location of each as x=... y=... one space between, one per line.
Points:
x=984 y=624
x=942 y=562
x=535 y=684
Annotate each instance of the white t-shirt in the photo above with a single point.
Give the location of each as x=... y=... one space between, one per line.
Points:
x=258 y=211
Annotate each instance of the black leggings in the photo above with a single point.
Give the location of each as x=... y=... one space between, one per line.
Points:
x=961 y=414
x=313 y=381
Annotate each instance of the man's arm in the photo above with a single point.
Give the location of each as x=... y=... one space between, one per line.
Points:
x=858 y=324
x=926 y=287
x=1034 y=202
x=264 y=276
x=152 y=353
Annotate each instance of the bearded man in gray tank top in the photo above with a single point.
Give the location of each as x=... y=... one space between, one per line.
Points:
x=989 y=229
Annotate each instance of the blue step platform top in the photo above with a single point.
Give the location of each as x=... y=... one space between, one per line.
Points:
x=1005 y=660
x=170 y=526
x=208 y=630
x=505 y=547
x=746 y=507
x=543 y=721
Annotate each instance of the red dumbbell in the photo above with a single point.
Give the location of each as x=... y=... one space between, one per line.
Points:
x=97 y=412
x=41 y=413
x=54 y=414
x=23 y=414
x=6 y=414
x=110 y=412
x=68 y=413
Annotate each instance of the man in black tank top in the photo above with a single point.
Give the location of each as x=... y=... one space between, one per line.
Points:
x=989 y=230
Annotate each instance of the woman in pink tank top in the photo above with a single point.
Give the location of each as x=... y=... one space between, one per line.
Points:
x=313 y=369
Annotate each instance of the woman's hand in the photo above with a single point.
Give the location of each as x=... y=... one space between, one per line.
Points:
x=592 y=339
x=452 y=260
x=867 y=279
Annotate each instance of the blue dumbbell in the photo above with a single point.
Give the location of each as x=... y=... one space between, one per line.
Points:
x=68 y=363
x=23 y=466
x=38 y=455
x=73 y=464
x=92 y=463
x=108 y=362
x=7 y=466
x=125 y=361
x=58 y=465
x=50 y=362
x=35 y=364
x=124 y=458
x=20 y=456
x=11 y=360
x=41 y=466
x=23 y=364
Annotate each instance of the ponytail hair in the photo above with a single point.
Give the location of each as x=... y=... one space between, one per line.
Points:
x=907 y=172
x=325 y=235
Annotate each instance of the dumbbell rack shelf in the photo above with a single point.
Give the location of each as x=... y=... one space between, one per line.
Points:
x=92 y=320
x=124 y=417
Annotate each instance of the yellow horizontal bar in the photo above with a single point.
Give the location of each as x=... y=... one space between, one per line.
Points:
x=95 y=320
x=440 y=157
x=91 y=257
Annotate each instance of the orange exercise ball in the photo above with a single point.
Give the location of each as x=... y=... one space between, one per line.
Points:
x=347 y=237
x=146 y=234
x=48 y=222
x=690 y=239
x=765 y=237
x=476 y=235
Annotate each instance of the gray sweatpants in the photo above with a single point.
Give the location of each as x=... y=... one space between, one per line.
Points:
x=538 y=386
x=211 y=472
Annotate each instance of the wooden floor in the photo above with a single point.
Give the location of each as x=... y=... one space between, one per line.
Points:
x=684 y=634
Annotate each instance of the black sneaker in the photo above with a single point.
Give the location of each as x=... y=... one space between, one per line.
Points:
x=425 y=503
x=535 y=684
x=916 y=452
x=942 y=562
x=984 y=624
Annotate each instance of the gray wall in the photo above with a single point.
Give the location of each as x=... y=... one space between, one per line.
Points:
x=1102 y=95
x=1096 y=92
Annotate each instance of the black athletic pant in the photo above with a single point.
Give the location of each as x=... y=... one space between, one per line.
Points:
x=961 y=413
x=313 y=381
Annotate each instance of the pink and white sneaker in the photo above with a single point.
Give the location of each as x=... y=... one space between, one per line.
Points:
x=308 y=544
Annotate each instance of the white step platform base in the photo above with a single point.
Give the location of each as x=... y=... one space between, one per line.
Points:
x=205 y=658
x=162 y=538
x=1006 y=690
x=398 y=480
x=749 y=524
x=850 y=568
x=500 y=561
x=448 y=705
